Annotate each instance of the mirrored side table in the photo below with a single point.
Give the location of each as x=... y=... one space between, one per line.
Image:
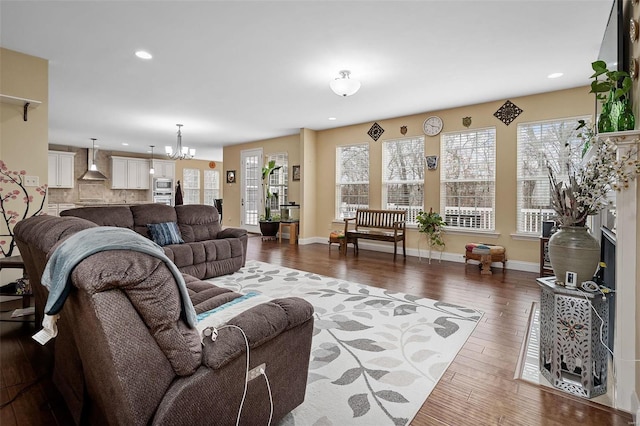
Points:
x=572 y=356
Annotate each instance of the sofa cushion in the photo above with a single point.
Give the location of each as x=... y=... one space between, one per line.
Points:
x=198 y=222
x=206 y=259
x=143 y=214
x=165 y=233
x=153 y=292
x=104 y=216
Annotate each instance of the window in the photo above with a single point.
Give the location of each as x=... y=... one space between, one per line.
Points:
x=403 y=176
x=211 y=186
x=191 y=186
x=541 y=143
x=278 y=182
x=352 y=179
x=467 y=178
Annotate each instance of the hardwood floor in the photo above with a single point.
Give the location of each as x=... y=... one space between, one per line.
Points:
x=478 y=388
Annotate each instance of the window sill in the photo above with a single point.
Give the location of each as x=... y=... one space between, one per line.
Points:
x=458 y=231
x=526 y=237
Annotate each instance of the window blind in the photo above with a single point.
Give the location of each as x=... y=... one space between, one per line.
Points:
x=191 y=186
x=211 y=186
x=352 y=179
x=467 y=178
x=403 y=176
x=553 y=142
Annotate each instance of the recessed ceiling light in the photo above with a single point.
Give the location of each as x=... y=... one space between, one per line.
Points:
x=125 y=144
x=555 y=75
x=143 y=55
x=332 y=118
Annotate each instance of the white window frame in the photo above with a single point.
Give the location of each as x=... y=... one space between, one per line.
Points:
x=474 y=152
x=345 y=177
x=211 y=186
x=279 y=180
x=541 y=143
x=191 y=186
x=403 y=163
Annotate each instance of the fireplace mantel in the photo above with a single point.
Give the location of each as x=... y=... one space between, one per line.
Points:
x=627 y=332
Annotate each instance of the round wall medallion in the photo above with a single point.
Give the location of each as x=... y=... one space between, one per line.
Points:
x=212 y=164
x=633 y=68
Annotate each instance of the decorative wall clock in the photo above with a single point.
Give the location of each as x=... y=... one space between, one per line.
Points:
x=432 y=125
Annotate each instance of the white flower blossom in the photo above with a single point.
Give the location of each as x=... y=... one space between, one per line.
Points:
x=585 y=192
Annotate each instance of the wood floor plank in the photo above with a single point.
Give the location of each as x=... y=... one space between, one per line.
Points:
x=477 y=389
x=7 y=416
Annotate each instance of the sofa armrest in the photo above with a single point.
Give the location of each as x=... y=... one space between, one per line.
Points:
x=231 y=233
x=260 y=324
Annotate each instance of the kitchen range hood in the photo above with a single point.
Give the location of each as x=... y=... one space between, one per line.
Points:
x=92 y=172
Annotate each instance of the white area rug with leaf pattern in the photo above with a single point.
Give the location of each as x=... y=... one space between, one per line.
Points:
x=376 y=355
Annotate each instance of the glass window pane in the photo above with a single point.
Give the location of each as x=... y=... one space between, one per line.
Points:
x=467 y=178
x=352 y=179
x=403 y=176
x=541 y=144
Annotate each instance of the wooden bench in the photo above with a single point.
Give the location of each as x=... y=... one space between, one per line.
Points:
x=379 y=225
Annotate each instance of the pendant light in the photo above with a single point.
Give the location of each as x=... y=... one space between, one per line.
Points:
x=151 y=170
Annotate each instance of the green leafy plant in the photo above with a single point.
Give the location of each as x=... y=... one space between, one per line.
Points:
x=267 y=171
x=610 y=82
x=431 y=223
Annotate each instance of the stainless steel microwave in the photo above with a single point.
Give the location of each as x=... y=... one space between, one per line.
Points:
x=162 y=185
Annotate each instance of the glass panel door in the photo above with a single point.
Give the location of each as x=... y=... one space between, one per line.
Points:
x=251 y=202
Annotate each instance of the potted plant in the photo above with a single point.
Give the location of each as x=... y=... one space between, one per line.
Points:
x=269 y=224
x=431 y=224
x=616 y=112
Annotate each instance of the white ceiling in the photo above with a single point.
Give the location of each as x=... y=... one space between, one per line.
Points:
x=237 y=71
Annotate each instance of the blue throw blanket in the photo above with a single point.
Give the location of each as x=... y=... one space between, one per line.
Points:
x=57 y=273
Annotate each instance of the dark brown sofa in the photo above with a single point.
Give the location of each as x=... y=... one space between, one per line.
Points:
x=208 y=250
x=124 y=356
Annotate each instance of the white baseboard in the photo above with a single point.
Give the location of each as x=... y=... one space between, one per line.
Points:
x=516 y=265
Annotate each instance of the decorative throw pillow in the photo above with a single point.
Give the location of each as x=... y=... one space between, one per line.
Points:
x=165 y=233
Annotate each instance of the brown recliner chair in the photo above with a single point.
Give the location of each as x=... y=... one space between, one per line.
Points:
x=124 y=356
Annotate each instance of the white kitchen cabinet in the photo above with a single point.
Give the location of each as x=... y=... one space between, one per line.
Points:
x=129 y=173
x=119 y=173
x=52 y=210
x=55 y=209
x=164 y=169
x=138 y=174
x=61 y=169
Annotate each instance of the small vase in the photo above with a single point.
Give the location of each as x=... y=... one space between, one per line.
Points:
x=574 y=249
x=626 y=120
x=614 y=114
x=604 y=121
